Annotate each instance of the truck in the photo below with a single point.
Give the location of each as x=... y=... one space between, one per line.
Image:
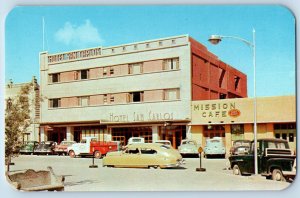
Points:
x=89 y=146
x=275 y=160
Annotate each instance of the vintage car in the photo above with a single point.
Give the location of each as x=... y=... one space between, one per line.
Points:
x=45 y=148
x=214 y=147
x=164 y=142
x=240 y=147
x=28 y=147
x=62 y=148
x=275 y=160
x=188 y=147
x=144 y=155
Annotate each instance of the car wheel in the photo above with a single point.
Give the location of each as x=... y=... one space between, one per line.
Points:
x=236 y=170
x=97 y=155
x=277 y=175
x=72 y=154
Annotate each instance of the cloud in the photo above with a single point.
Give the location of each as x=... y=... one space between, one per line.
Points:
x=83 y=35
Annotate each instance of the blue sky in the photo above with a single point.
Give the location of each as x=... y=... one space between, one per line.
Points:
x=71 y=28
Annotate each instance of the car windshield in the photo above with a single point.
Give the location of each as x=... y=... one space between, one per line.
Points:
x=242 y=144
x=279 y=145
x=165 y=146
x=188 y=142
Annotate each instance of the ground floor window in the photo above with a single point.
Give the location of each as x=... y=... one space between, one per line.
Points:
x=80 y=132
x=286 y=131
x=122 y=134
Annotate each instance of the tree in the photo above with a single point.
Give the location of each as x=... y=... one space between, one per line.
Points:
x=17 y=120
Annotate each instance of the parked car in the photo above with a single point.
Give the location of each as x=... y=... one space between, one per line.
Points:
x=240 y=147
x=28 y=147
x=275 y=160
x=62 y=148
x=214 y=147
x=164 y=142
x=135 y=140
x=144 y=155
x=45 y=148
x=188 y=147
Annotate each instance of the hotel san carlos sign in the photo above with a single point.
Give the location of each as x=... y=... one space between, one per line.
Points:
x=141 y=117
x=217 y=110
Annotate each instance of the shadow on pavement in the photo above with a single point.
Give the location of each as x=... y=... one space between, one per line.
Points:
x=81 y=182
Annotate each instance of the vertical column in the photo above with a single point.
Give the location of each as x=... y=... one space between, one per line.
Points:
x=42 y=137
x=154 y=133
x=188 y=132
x=107 y=134
x=227 y=138
x=70 y=133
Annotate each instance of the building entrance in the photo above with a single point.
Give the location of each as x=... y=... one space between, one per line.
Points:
x=211 y=131
x=58 y=134
x=173 y=133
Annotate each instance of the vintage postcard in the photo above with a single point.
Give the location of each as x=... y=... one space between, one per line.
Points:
x=150 y=98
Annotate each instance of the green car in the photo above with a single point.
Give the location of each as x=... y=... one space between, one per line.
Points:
x=28 y=147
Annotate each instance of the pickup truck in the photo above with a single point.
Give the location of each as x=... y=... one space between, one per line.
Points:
x=89 y=146
x=275 y=160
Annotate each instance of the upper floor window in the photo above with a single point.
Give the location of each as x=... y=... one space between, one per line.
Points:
x=136 y=96
x=84 y=101
x=171 y=64
x=171 y=94
x=54 y=78
x=105 y=98
x=111 y=71
x=135 y=68
x=55 y=103
x=81 y=74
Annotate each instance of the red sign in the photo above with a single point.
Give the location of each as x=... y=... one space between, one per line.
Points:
x=234 y=113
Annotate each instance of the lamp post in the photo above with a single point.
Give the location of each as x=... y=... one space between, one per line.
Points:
x=216 y=39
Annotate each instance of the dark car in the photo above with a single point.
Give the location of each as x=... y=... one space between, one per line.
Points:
x=45 y=148
x=274 y=159
x=28 y=147
x=240 y=147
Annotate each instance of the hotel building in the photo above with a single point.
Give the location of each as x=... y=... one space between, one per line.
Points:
x=141 y=89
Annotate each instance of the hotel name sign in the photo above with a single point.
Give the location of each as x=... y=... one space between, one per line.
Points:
x=75 y=55
x=140 y=117
x=217 y=110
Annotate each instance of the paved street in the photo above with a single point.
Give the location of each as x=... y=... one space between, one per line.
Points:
x=79 y=177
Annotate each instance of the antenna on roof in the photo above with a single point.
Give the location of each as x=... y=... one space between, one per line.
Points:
x=43 y=34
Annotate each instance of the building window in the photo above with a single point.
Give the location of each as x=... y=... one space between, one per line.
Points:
x=135 y=68
x=54 y=78
x=160 y=43
x=55 y=103
x=136 y=96
x=105 y=98
x=147 y=45
x=84 y=74
x=135 y=47
x=104 y=71
x=112 y=99
x=171 y=94
x=84 y=101
x=124 y=49
x=173 y=41
x=236 y=82
x=171 y=64
x=112 y=50
x=111 y=71
x=237 y=132
x=222 y=96
x=277 y=135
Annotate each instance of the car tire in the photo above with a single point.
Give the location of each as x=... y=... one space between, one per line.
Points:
x=236 y=170
x=277 y=175
x=97 y=155
x=72 y=154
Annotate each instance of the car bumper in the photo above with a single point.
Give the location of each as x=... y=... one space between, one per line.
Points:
x=177 y=164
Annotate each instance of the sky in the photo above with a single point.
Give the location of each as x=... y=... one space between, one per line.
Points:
x=79 y=27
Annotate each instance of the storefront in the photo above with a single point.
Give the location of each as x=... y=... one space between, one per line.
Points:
x=232 y=119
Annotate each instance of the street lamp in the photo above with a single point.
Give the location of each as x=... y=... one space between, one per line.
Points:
x=216 y=39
